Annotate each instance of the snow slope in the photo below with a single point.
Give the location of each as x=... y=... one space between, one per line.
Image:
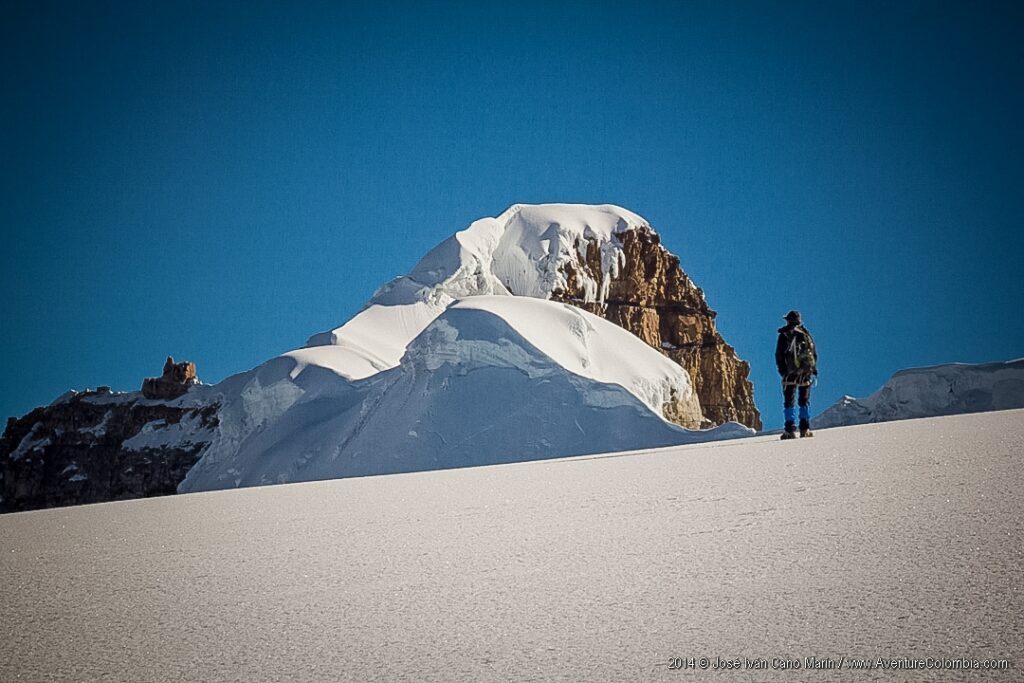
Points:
x=898 y=540
x=493 y=379
x=937 y=390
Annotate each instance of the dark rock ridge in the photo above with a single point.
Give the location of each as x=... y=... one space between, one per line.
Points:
x=654 y=299
x=97 y=446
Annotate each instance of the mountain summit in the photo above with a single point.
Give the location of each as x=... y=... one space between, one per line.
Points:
x=498 y=346
x=604 y=259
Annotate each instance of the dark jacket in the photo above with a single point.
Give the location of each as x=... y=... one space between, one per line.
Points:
x=786 y=336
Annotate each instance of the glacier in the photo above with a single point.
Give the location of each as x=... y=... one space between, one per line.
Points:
x=949 y=389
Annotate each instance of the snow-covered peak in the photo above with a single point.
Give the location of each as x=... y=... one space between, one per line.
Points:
x=936 y=390
x=525 y=251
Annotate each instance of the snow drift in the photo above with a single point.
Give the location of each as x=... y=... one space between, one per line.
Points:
x=931 y=391
x=493 y=379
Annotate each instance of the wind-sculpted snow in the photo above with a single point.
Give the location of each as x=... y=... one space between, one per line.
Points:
x=471 y=389
x=938 y=390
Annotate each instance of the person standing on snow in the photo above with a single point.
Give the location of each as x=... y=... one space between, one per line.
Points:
x=797 y=361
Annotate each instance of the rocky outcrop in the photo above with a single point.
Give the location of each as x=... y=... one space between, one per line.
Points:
x=174 y=382
x=650 y=295
x=97 y=446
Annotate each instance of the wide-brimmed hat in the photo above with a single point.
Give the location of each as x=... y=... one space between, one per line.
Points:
x=793 y=316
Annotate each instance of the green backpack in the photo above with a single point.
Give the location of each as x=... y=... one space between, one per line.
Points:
x=801 y=357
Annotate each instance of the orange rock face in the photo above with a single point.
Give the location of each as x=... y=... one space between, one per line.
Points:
x=654 y=299
x=175 y=381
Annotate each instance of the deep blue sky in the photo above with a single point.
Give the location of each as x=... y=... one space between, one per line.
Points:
x=220 y=182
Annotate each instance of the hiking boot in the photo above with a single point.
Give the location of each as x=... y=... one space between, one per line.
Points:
x=804 y=433
x=788 y=435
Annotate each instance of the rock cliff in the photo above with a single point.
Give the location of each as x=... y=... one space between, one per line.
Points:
x=96 y=446
x=651 y=296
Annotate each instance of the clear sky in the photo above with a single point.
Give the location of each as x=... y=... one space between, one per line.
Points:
x=218 y=182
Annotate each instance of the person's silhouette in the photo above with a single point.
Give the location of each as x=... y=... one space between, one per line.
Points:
x=797 y=360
